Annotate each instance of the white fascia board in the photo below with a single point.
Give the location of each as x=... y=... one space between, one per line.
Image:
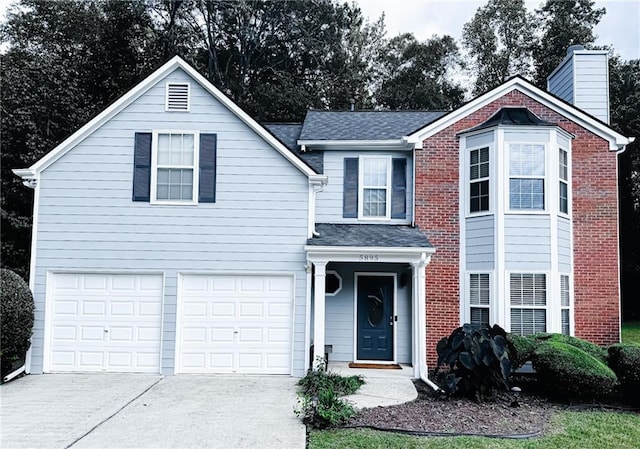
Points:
x=402 y=144
x=141 y=88
x=616 y=140
x=354 y=253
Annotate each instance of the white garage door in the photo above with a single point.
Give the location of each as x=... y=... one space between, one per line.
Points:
x=235 y=324
x=106 y=323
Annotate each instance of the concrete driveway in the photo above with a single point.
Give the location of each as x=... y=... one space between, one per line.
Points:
x=149 y=411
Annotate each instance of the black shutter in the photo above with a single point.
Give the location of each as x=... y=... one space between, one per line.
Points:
x=142 y=167
x=399 y=189
x=207 y=188
x=350 y=188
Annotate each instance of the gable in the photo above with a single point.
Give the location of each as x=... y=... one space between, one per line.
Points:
x=617 y=141
x=175 y=69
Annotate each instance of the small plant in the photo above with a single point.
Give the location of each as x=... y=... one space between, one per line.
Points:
x=570 y=373
x=319 y=400
x=624 y=360
x=477 y=360
x=16 y=316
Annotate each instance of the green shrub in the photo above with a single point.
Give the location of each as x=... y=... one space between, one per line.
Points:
x=477 y=360
x=16 y=316
x=570 y=373
x=318 y=380
x=592 y=349
x=624 y=360
x=319 y=401
x=520 y=349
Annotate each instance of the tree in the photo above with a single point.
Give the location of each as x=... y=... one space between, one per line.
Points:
x=417 y=75
x=562 y=23
x=65 y=62
x=498 y=39
x=624 y=91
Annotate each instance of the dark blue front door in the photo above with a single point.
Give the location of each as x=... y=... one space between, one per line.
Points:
x=375 y=317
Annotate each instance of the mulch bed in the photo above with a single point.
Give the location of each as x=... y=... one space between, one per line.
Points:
x=429 y=414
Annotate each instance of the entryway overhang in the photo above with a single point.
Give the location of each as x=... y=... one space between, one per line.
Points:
x=368 y=244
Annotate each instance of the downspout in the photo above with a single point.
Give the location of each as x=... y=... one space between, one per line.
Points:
x=413 y=190
x=14 y=374
x=419 y=282
x=317 y=185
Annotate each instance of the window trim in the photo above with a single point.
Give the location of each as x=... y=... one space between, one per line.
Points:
x=570 y=306
x=545 y=179
x=468 y=306
x=340 y=284
x=361 y=188
x=565 y=181
x=548 y=298
x=470 y=181
x=154 y=168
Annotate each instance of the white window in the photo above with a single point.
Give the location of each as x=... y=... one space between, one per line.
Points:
x=479 y=180
x=526 y=176
x=564 y=181
x=177 y=97
x=565 y=304
x=174 y=167
x=375 y=187
x=528 y=298
x=479 y=298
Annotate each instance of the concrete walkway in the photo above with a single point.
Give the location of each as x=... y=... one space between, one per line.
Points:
x=383 y=387
x=150 y=411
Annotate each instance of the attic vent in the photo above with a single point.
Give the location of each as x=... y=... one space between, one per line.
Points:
x=177 y=97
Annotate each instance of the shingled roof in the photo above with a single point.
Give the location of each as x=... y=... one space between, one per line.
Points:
x=512 y=116
x=364 y=125
x=288 y=133
x=391 y=236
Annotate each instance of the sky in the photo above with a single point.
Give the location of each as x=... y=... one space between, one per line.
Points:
x=620 y=26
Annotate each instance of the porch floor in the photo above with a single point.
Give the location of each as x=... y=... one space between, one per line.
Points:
x=383 y=387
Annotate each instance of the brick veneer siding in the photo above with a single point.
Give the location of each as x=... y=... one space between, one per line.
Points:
x=595 y=225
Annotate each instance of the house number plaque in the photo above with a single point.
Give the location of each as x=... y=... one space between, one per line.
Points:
x=369 y=258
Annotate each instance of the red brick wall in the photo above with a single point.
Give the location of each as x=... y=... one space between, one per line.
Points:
x=595 y=209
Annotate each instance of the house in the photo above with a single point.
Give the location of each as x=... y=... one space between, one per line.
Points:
x=175 y=234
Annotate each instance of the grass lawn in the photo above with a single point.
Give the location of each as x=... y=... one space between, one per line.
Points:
x=631 y=332
x=570 y=430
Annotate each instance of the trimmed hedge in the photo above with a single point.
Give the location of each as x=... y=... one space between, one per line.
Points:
x=624 y=360
x=16 y=316
x=520 y=349
x=570 y=373
x=590 y=348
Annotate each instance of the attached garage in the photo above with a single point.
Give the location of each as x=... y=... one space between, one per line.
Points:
x=234 y=324
x=105 y=323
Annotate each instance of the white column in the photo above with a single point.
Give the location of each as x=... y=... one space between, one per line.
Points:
x=419 y=317
x=318 y=313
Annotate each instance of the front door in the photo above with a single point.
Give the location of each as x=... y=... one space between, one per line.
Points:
x=375 y=317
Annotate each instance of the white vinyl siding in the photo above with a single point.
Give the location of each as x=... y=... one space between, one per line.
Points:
x=479 y=298
x=375 y=187
x=528 y=299
x=527 y=177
